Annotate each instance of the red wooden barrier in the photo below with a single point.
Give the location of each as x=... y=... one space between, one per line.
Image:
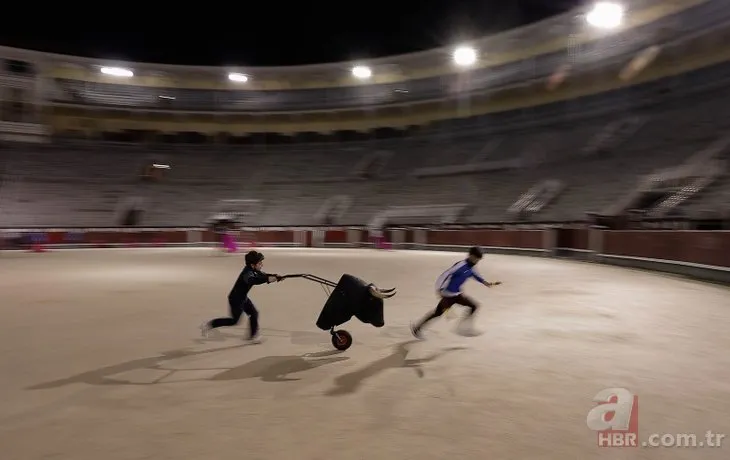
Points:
x=528 y=239
x=700 y=247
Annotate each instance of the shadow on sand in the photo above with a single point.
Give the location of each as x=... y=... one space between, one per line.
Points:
x=268 y=369
x=351 y=382
x=278 y=368
x=295 y=337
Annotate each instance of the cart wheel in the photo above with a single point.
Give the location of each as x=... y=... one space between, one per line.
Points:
x=342 y=340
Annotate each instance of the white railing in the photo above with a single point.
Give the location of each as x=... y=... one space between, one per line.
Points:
x=551 y=190
x=335 y=206
x=439 y=213
x=706 y=174
x=699 y=165
x=537 y=197
x=525 y=199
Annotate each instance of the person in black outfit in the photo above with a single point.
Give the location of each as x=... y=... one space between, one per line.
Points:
x=238 y=300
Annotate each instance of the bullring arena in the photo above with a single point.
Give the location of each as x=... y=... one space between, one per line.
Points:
x=101 y=346
x=588 y=155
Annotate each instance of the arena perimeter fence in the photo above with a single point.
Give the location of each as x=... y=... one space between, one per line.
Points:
x=698 y=254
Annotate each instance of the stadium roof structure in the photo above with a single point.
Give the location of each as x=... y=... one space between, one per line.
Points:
x=554 y=33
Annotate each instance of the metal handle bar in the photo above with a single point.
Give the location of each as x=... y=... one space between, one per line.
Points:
x=310 y=277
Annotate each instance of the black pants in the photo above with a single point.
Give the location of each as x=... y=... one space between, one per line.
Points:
x=447 y=302
x=237 y=310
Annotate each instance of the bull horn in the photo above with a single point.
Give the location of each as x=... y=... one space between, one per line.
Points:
x=381 y=294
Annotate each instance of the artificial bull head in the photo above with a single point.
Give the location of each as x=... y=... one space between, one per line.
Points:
x=354 y=297
x=381 y=293
x=371 y=309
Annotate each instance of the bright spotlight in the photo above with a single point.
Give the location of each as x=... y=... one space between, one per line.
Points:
x=117 y=72
x=362 y=72
x=465 y=56
x=237 y=77
x=606 y=15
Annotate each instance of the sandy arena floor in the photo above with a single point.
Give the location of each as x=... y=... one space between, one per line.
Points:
x=101 y=358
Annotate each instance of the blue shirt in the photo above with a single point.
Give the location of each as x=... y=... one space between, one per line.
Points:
x=450 y=282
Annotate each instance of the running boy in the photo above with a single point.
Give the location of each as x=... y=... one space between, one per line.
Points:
x=448 y=287
x=238 y=300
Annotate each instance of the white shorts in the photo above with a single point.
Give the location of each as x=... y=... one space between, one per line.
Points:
x=444 y=293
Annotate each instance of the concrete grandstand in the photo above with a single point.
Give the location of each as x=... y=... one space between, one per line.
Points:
x=550 y=124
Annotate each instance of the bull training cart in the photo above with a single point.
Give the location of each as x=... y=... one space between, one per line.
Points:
x=349 y=297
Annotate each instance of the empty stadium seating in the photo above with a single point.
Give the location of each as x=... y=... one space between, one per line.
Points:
x=89 y=184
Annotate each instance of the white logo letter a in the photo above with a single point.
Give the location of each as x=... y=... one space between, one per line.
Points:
x=621 y=410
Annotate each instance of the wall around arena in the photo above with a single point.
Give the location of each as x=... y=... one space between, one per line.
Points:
x=698 y=254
